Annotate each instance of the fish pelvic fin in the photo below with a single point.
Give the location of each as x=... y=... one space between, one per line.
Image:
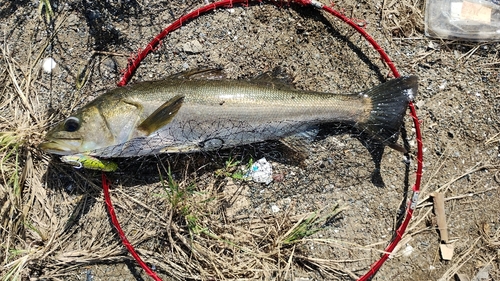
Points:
x=162 y=115
x=389 y=103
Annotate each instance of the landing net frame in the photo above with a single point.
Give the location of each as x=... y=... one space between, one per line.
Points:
x=153 y=45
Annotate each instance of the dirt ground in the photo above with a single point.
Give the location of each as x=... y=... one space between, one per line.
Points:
x=206 y=223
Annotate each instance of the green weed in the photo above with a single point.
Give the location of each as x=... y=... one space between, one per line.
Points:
x=16 y=266
x=185 y=208
x=231 y=170
x=310 y=225
x=45 y=9
x=174 y=193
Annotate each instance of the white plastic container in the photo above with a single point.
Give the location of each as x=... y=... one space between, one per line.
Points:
x=475 y=20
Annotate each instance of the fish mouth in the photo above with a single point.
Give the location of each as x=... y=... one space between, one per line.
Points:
x=60 y=147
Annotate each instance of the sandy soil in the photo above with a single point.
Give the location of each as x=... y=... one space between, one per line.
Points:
x=207 y=224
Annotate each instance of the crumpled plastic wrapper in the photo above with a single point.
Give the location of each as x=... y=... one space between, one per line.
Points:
x=261 y=171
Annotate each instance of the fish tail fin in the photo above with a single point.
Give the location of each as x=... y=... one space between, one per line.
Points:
x=389 y=103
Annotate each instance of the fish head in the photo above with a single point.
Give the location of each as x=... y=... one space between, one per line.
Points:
x=84 y=131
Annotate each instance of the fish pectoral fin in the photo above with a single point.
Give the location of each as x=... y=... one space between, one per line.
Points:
x=276 y=79
x=201 y=74
x=162 y=115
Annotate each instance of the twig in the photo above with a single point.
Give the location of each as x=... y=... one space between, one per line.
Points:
x=109 y=54
x=470 y=52
x=458 y=197
x=473 y=170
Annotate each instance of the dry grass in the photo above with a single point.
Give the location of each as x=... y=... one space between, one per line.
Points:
x=21 y=190
x=403 y=18
x=195 y=239
x=15 y=166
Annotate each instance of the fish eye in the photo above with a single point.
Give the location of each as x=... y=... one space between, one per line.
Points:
x=72 y=124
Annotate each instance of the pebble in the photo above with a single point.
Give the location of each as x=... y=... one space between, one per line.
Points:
x=192 y=47
x=275 y=208
x=48 y=64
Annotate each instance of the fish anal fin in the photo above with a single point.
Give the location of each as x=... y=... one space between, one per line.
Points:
x=297 y=144
x=397 y=147
x=200 y=74
x=162 y=115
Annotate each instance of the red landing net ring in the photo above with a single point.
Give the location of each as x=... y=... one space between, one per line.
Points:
x=153 y=45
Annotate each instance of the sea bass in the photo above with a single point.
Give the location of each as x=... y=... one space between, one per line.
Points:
x=200 y=111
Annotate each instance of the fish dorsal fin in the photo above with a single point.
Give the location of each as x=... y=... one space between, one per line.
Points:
x=200 y=74
x=275 y=78
x=298 y=143
x=162 y=115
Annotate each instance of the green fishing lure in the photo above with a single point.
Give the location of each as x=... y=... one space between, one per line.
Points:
x=89 y=162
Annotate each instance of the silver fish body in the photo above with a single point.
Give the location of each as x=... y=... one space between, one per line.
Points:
x=180 y=115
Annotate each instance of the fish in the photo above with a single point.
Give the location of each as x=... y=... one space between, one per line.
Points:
x=201 y=110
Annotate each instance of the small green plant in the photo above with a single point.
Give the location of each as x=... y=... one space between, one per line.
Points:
x=8 y=139
x=196 y=228
x=231 y=170
x=242 y=174
x=310 y=225
x=45 y=8
x=15 y=267
x=175 y=193
x=10 y=145
x=178 y=198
